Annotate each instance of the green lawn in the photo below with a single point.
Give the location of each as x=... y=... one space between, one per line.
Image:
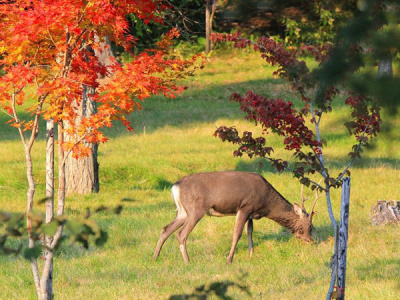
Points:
x=175 y=138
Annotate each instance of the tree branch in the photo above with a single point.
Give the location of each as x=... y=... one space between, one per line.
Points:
x=36 y=277
x=319 y=156
x=357 y=151
x=15 y=116
x=7 y=113
x=56 y=237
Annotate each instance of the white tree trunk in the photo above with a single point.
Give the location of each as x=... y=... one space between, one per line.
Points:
x=48 y=256
x=61 y=172
x=343 y=236
x=30 y=195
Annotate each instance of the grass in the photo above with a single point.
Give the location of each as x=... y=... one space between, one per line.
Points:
x=175 y=138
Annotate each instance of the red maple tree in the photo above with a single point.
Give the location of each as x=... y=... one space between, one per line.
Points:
x=47 y=54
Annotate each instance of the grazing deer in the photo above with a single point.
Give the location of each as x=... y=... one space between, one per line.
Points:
x=247 y=195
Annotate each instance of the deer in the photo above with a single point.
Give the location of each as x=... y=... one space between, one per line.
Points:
x=249 y=196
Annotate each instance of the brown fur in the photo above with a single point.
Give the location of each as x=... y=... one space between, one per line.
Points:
x=247 y=195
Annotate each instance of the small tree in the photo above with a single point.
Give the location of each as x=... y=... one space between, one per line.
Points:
x=46 y=51
x=304 y=139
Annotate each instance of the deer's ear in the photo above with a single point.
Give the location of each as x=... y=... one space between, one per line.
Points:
x=298 y=210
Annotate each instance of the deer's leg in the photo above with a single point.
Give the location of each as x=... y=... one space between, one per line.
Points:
x=188 y=226
x=250 y=236
x=241 y=219
x=166 y=232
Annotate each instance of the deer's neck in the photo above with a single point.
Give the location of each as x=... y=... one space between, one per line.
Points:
x=283 y=213
x=288 y=221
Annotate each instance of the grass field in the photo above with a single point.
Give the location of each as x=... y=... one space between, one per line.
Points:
x=175 y=138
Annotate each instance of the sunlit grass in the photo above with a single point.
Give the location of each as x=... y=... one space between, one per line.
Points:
x=175 y=138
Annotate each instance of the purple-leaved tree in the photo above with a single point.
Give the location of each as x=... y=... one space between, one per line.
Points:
x=304 y=139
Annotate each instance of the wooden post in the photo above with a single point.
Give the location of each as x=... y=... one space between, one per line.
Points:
x=343 y=236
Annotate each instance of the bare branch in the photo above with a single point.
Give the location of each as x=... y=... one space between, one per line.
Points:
x=56 y=237
x=35 y=128
x=78 y=38
x=51 y=38
x=83 y=13
x=318 y=185
x=7 y=113
x=15 y=116
x=303 y=199
x=317 y=196
x=70 y=150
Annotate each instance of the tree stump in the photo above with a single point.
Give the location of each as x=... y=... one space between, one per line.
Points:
x=385 y=212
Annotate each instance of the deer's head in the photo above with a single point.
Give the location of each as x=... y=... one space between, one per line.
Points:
x=303 y=227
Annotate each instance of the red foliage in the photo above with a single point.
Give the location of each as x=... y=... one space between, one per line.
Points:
x=50 y=44
x=366 y=114
x=282 y=118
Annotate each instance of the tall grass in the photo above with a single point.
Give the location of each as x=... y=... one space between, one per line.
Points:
x=175 y=138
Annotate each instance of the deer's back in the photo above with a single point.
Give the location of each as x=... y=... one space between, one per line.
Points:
x=224 y=193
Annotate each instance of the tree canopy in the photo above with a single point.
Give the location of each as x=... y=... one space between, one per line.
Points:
x=50 y=44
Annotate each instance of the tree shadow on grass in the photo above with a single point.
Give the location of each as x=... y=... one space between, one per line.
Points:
x=205 y=105
x=209 y=105
x=9 y=133
x=216 y=290
x=195 y=106
x=320 y=234
x=323 y=233
x=261 y=165
x=163 y=184
x=283 y=236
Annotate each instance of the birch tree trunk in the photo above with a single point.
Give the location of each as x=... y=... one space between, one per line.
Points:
x=48 y=257
x=30 y=195
x=343 y=237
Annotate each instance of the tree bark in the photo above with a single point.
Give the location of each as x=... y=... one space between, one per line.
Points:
x=343 y=237
x=61 y=171
x=81 y=175
x=208 y=27
x=385 y=212
x=30 y=195
x=48 y=256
